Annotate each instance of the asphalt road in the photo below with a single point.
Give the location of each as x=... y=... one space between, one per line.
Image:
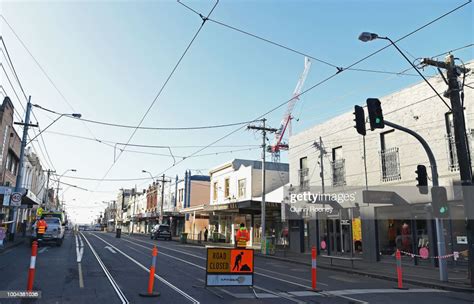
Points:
x=116 y=271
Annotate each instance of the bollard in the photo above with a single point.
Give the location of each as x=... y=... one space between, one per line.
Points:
x=398 y=256
x=313 y=268
x=151 y=279
x=31 y=271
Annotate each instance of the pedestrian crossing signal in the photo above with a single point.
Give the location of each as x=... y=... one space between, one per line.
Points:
x=440 y=202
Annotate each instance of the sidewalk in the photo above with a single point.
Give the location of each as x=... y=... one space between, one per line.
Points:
x=420 y=275
x=19 y=239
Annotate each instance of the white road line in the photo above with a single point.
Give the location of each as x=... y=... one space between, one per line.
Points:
x=387 y=290
x=287 y=297
x=43 y=249
x=181 y=292
x=117 y=289
x=199 y=257
x=110 y=249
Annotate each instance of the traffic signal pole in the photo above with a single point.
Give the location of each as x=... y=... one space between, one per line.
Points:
x=443 y=273
x=462 y=151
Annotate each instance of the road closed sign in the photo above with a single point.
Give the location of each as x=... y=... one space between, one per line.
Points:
x=229 y=267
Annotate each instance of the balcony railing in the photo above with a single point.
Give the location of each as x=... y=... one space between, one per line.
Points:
x=338 y=172
x=303 y=178
x=390 y=164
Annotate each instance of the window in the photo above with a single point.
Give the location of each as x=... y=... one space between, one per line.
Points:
x=214 y=189
x=242 y=185
x=303 y=173
x=338 y=167
x=389 y=158
x=226 y=188
x=180 y=195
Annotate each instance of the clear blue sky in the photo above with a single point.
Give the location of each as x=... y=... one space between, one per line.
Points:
x=109 y=59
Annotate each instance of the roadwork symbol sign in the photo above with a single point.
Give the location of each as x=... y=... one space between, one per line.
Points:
x=229 y=267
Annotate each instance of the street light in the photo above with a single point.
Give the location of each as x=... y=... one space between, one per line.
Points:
x=74 y=115
x=151 y=175
x=367 y=36
x=59 y=181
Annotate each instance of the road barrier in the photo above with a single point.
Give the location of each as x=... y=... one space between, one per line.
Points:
x=313 y=268
x=151 y=279
x=31 y=271
x=398 y=256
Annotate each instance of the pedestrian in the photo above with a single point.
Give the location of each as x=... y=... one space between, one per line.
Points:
x=205 y=235
x=41 y=227
x=242 y=236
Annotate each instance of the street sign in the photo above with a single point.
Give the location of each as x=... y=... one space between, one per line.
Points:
x=6 y=197
x=16 y=199
x=229 y=267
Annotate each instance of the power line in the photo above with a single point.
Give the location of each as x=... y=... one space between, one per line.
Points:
x=163 y=86
x=324 y=81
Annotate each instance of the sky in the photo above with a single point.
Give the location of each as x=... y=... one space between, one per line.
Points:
x=109 y=59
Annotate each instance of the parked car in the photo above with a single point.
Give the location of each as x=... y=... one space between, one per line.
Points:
x=54 y=232
x=161 y=231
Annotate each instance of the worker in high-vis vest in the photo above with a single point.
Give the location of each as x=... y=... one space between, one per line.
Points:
x=41 y=227
x=242 y=236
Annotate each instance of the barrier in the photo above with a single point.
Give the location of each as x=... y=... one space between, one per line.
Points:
x=151 y=278
x=398 y=256
x=313 y=268
x=31 y=270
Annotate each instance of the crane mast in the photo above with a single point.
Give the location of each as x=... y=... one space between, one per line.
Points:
x=285 y=122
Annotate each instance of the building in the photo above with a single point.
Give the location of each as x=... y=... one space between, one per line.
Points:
x=122 y=216
x=236 y=195
x=375 y=230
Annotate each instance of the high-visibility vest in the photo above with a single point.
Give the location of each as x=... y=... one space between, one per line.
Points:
x=42 y=226
x=242 y=238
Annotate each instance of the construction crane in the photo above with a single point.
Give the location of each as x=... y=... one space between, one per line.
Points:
x=279 y=144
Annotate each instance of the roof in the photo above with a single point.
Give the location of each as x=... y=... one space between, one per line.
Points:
x=255 y=164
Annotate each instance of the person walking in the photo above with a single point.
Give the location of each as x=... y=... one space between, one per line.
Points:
x=205 y=235
x=242 y=236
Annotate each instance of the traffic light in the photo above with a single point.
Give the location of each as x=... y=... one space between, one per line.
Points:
x=374 y=108
x=439 y=202
x=422 y=178
x=359 y=120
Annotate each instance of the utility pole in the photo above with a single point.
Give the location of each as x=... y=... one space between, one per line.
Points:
x=19 y=176
x=46 y=193
x=163 y=181
x=462 y=150
x=264 y=130
x=320 y=147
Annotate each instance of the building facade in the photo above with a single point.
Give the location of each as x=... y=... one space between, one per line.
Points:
x=388 y=162
x=236 y=195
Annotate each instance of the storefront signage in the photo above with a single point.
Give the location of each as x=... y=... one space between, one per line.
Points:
x=229 y=267
x=356 y=230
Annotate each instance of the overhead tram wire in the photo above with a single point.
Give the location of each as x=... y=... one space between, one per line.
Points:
x=323 y=81
x=149 y=128
x=289 y=48
x=163 y=87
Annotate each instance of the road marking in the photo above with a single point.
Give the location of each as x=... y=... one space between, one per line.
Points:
x=181 y=292
x=43 y=249
x=257 y=273
x=79 y=248
x=110 y=249
x=281 y=295
x=81 y=277
x=114 y=284
x=387 y=290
